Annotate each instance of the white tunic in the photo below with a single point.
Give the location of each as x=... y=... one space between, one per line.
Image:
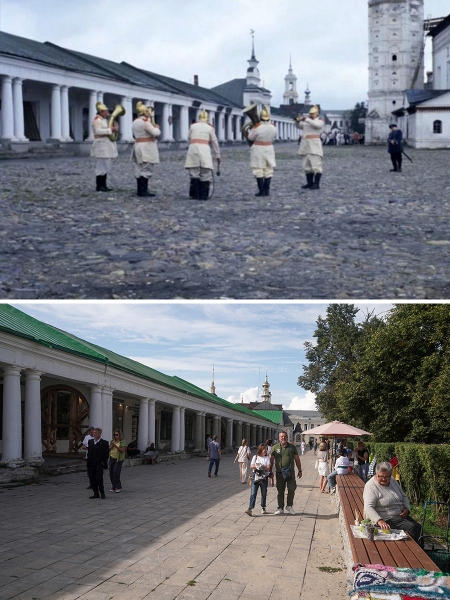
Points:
x=311 y=142
x=145 y=151
x=262 y=152
x=201 y=136
x=102 y=147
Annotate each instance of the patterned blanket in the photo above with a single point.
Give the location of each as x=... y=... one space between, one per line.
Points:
x=378 y=582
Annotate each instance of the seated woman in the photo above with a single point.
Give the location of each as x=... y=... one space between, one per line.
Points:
x=151 y=454
x=386 y=504
x=340 y=468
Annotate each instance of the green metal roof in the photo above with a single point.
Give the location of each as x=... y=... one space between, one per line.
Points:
x=276 y=416
x=20 y=324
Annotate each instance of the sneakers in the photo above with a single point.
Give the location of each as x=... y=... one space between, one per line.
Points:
x=249 y=512
x=263 y=511
x=112 y=490
x=290 y=510
x=117 y=491
x=209 y=473
x=332 y=491
x=279 y=511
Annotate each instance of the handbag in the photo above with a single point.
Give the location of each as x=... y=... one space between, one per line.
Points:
x=286 y=472
x=249 y=480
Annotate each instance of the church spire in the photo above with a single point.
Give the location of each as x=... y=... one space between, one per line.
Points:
x=266 y=394
x=253 y=76
x=290 y=83
x=213 y=387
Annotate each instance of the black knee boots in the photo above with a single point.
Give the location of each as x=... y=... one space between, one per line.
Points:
x=316 y=184
x=309 y=181
x=267 y=181
x=101 y=184
x=260 y=182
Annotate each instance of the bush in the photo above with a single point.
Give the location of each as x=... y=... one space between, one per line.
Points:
x=424 y=469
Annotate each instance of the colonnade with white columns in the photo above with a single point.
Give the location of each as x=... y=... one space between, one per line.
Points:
x=101 y=415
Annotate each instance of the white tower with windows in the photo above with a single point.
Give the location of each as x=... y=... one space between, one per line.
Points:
x=290 y=82
x=396 y=48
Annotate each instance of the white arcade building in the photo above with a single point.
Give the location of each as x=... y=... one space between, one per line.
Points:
x=55 y=384
x=48 y=94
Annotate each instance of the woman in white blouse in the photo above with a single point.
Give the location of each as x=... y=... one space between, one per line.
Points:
x=242 y=457
x=261 y=472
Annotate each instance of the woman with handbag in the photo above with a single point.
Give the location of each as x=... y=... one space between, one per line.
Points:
x=261 y=472
x=242 y=457
x=322 y=467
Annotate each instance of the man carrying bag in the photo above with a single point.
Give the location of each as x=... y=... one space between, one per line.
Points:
x=284 y=455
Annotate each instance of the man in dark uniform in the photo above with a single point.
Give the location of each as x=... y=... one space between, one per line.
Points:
x=395 y=147
x=97 y=461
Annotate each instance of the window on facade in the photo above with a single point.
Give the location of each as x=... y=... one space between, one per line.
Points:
x=437 y=127
x=305 y=426
x=394 y=57
x=394 y=101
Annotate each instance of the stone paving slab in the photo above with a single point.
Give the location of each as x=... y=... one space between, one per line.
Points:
x=202 y=544
x=367 y=233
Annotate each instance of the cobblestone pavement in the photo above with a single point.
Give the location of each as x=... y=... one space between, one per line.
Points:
x=171 y=533
x=367 y=233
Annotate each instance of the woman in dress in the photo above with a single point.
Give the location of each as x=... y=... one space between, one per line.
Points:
x=117 y=449
x=242 y=457
x=261 y=471
x=322 y=467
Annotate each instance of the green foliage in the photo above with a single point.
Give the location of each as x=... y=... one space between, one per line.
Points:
x=331 y=358
x=424 y=471
x=359 y=112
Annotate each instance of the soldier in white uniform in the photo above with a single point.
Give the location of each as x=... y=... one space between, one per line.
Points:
x=145 y=151
x=202 y=139
x=103 y=149
x=311 y=147
x=262 y=154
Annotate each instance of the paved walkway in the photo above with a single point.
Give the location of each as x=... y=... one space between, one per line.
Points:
x=367 y=233
x=172 y=533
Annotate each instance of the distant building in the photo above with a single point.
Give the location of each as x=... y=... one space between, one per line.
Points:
x=304 y=422
x=272 y=412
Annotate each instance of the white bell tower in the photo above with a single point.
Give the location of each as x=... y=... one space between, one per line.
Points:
x=290 y=82
x=396 y=49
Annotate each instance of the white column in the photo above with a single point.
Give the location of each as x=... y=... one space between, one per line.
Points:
x=203 y=431
x=229 y=128
x=95 y=407
x=92 y=113
x=19 y=128
x=12 y=418
x=143 y=425
x=32 y=429
x=184 y=123
x=65 y=123
x=229 y=437
x=99 y=96
x=151 y=422
x=125 y=122
x=198 y=440
x=55 y=123
x=211 y=117
x=107 y=414
x=7 y=109
x=167 y=123
x=216 y=426
x=175 y=442
x=221 y=128
x=182 y=428
x=237 y=131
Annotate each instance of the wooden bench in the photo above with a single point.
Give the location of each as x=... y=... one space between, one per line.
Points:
x=403 y=553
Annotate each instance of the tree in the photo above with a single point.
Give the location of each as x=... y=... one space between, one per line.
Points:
x=359 y=112
x=399 y=388
x=332 y=357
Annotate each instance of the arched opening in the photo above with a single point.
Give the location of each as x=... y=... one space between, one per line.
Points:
x=437 y=126
x=291 y=100
x=64 y=419
x=394 y=57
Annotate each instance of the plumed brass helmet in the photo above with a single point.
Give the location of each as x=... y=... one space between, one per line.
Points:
x=265 y=114
x=141 y=109
x=203 y=116
x=314 y=110
x=100 y=107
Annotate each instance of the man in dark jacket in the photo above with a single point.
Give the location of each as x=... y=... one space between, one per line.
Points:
x=395 y=147
x=97 y=461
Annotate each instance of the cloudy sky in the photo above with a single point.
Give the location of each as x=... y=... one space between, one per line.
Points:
x=242 y=340
x=327 y=39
